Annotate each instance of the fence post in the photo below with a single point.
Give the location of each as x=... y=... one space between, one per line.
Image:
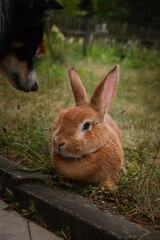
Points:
x=86 y=36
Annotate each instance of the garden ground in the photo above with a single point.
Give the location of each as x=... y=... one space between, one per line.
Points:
x=26 y=119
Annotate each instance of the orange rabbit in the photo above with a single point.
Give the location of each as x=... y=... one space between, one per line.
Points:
x=86 y=142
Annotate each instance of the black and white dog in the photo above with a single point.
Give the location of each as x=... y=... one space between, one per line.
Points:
x=21 y=31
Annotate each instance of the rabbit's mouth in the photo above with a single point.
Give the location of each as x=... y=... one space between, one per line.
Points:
x=65 y=154
x=72 y=158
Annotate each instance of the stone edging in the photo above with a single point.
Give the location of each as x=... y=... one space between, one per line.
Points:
x=60 y=209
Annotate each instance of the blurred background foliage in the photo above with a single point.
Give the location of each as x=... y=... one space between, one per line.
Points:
x=144 y=12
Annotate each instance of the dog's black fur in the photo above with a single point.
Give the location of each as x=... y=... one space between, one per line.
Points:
x=21 y=31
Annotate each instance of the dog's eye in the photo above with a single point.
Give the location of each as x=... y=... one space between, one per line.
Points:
x=86 y=126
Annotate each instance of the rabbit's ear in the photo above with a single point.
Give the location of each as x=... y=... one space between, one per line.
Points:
x=105 y=91
x=78 y=89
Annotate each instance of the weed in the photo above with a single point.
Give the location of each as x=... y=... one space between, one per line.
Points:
x=9 y=198
x=29 y=212
x=65 y=233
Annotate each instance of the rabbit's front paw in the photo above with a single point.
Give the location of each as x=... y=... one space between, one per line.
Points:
x=68 y=183
x=108 y=183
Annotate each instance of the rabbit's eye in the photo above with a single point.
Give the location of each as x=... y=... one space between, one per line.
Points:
x=86 y=126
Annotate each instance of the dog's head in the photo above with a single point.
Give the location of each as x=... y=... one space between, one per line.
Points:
x=23 y=32
x=17 y=67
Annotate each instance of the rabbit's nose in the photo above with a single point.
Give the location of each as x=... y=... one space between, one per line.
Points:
x=61 y=145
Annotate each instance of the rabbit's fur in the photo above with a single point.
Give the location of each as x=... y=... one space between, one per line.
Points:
x=86 y=142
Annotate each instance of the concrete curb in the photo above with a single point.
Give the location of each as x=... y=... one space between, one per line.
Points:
x=60 y=209
x=12 y=174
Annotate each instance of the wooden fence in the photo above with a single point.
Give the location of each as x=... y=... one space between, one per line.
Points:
x=87 y=28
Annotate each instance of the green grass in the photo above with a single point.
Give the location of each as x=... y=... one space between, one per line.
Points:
x=25 y=120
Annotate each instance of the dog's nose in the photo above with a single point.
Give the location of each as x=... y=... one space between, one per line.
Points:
x=61 y=145
x=34 y=87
